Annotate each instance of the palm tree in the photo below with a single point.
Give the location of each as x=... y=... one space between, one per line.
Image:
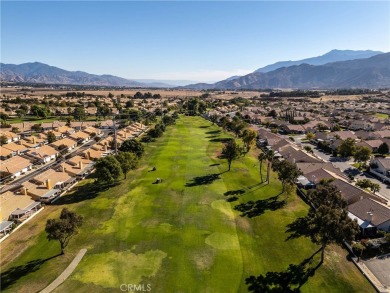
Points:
x=261 y=158
x=269 y=156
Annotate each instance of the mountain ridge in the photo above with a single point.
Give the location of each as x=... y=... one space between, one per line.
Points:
x=373 y=72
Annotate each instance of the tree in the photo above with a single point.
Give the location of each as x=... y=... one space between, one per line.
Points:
x=3 y=139
x=37 y=128
x=287 y=173
x=128 y=161
x=383 y=149
x=15 y=129
x=375 y=187
x=310 y=136
x=133 y=146
x=249 y=138
x=272 y=114
x=64 y=228
x=347 y=148
x=362 y=154
x=214 y=118
x=231 y=151
x=224 y=122
x=270 y=157
x=261 y=158
x=111 y=165
x=358 y=249
x=364 y=183
x=51 y=137
x=327 y=194
x=308 y=149
x=40 y=111
x=328 y=225
x=3 y=116
x=79 y=113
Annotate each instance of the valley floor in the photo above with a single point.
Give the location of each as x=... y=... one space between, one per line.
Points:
x=182 y=235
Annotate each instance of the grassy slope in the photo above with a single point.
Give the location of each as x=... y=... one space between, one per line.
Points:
x=181 y=238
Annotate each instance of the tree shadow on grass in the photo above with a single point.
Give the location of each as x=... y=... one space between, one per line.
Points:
x=204 y=126
x=81 y=193
x=212 y=165
x=12 y=275
x=252 y=209
x=213 y=132
x=234 y=192
x=298 y=228
x=203 y=180
x=221 y=139
x=288 y=281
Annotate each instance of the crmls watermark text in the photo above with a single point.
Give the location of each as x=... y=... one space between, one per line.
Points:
x=135 y=287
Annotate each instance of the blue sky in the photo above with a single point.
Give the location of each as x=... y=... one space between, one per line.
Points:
x=203 y=41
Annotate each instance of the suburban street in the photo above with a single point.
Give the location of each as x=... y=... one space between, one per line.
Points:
x=345 y=166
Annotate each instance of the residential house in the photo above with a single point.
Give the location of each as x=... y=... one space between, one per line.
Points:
x=14 y=167
x=81 y=137
x=17 y=207
x=43 y=154
x=371 y=215
x=40 y=192
x=69 y=143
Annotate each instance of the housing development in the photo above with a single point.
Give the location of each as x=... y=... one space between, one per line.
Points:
x=195 y=146
x=184 y=185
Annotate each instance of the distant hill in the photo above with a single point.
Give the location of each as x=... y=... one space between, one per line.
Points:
x=373 y=72
x=42 y=73
x=332 y=56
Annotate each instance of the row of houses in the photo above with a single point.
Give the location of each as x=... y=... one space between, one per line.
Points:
x=371 y=211
x=20 y=201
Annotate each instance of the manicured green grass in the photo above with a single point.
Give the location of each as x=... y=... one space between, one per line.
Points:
x=182 y=235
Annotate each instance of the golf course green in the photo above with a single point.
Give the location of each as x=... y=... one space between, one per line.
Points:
x=183 y=234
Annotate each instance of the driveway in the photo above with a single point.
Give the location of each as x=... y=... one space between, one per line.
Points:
x=380 y=267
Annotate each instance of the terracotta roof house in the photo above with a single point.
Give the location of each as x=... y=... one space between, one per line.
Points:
x=15 y=148
x=57 y=179
x=6 y=153
x=17 y=207
x=69 y=143
x=14 y=167
x=66 y=130
x=33 y=141
x=11 y=137
x=81 y=137
x=77 y=167
x=43 y=154
x=43 y=193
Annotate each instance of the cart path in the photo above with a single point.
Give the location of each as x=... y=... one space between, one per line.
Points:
x=66 y=273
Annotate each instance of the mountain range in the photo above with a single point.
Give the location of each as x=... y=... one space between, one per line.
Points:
x=356 y=71
x=37 y=72
x=335 y=69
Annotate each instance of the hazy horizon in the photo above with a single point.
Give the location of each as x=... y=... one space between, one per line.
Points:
x=192 y=41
